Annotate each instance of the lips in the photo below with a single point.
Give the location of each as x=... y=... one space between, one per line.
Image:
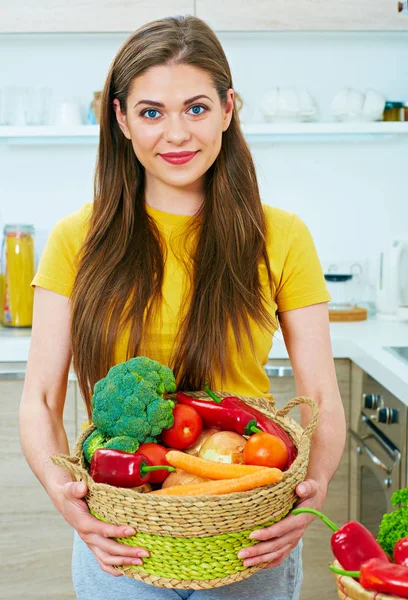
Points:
x=178 y=158
x=177 y=154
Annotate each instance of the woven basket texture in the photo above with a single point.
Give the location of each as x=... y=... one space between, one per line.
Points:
x=194 y=541
x=350 y=589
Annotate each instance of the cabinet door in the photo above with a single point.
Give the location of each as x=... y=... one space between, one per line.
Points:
x=35 y=555
x=279 y=15
x=318 y=581
x=86 y=15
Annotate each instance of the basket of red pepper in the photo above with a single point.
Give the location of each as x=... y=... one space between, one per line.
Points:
x=363 y=570
x=194 y=540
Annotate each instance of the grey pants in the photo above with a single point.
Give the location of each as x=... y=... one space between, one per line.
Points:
x=91 y=583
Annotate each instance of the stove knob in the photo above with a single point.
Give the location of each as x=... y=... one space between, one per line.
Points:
x=387 y=415
x=373 y=401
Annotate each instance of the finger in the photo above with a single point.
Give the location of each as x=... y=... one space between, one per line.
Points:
x=74 y=489
x=112 y=547
x=277 y=544
x=110 y=560
x=269 y=557
x=92 y=525
x=307 y=489
x=280 y=529
x=109 y=570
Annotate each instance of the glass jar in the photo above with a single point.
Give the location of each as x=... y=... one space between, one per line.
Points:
x=18 y=266
x=393 y=111
x=341 y=291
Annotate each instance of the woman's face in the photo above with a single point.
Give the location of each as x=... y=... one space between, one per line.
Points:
x=159 y=120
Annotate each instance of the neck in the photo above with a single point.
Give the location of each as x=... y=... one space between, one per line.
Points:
x=176 y=200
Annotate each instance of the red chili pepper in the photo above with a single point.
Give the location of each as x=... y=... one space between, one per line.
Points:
x=233 y=414
x=351 y=544
x=401 y=552
x=377 y=575
x=122 y=469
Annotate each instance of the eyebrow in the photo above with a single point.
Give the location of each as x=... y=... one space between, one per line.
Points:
x=161 y=105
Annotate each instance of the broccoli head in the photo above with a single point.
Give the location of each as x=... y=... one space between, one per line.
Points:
x=122 y=442
x=129 y=400
x=394 y=525
x=93 y=442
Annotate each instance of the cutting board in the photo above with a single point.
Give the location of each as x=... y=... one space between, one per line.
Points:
x=355 y=314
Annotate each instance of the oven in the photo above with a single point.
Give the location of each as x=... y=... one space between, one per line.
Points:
x=378 y=453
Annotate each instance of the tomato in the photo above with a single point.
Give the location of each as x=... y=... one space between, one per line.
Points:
x=157 y=456
x=186 y=429
x=266 y=450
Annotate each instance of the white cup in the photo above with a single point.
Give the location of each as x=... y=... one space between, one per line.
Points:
x=269 y=104
x=288 y=103
x=339 y=104
x=68 y=114
x=308 y=108
x=373 y=106
x=355 y=103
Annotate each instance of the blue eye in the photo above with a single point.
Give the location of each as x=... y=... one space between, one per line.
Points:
x=151 y=117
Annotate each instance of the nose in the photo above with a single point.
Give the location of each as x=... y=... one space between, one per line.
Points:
x=176 y=130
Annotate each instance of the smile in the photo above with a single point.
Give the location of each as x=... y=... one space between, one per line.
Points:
x=178 y=159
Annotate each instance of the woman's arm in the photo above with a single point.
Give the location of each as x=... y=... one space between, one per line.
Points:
x=307 y=337
x=42 y=431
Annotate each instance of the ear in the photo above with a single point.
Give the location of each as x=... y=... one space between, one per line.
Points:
x=121 y=118
x=228 y=110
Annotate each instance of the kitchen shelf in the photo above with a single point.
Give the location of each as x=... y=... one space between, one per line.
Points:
x=254 y=132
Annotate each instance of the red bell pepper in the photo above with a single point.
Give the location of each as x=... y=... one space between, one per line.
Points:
x=401 y=552
x=233 y=414
x=377 y=575
x=352 y=544
x=122 y=469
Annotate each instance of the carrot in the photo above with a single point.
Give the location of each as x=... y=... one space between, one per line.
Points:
x=209 y=469
x=265 y=476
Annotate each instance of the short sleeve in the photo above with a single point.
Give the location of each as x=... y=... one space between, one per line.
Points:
x=302 y=281
x=58 y=263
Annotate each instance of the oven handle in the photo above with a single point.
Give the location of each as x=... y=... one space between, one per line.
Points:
x=373 y=457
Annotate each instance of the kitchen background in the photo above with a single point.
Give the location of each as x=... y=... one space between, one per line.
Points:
x=347 y=181
x=351 y=192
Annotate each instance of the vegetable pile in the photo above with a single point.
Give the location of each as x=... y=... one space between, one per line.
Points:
x=380 y=565
x=185 y=447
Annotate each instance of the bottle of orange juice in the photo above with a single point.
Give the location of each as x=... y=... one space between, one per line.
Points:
x=18 y=267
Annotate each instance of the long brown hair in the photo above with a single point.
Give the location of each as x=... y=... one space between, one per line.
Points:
x=121 y=264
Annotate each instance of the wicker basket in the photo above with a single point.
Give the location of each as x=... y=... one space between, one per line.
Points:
x=349 y=589
x=194 y=541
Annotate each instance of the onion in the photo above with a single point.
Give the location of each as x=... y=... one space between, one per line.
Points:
x=204 y=435
x=224 y=447
x=180 y=477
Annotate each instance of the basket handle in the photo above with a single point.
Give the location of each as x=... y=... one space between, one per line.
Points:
x=282 y=412
x=72 y=465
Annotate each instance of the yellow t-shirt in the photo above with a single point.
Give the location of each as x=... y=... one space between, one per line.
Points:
x=296 y=271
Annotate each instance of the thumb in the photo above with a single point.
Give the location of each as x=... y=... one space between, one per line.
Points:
x=75 y=489
x=306 y=489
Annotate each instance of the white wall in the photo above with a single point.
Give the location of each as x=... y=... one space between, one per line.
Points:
x=353 y=195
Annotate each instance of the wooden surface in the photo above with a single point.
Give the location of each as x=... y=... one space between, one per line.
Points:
x=36 y=542
x=86 y=15
x=355 y=314
x=318 y=15
x=318 y=581
x=229 y=15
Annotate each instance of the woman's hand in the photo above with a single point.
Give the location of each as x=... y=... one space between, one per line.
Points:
x=95 y=533
x=283 y=536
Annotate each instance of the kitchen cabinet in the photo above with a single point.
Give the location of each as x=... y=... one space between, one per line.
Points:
x=318 y=581
x=319 y=15
x=36 y=547
x=57 y=16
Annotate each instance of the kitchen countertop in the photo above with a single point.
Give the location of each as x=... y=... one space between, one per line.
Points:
x=362 y=342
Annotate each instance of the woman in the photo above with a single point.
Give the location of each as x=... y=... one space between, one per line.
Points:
x=177 y=260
